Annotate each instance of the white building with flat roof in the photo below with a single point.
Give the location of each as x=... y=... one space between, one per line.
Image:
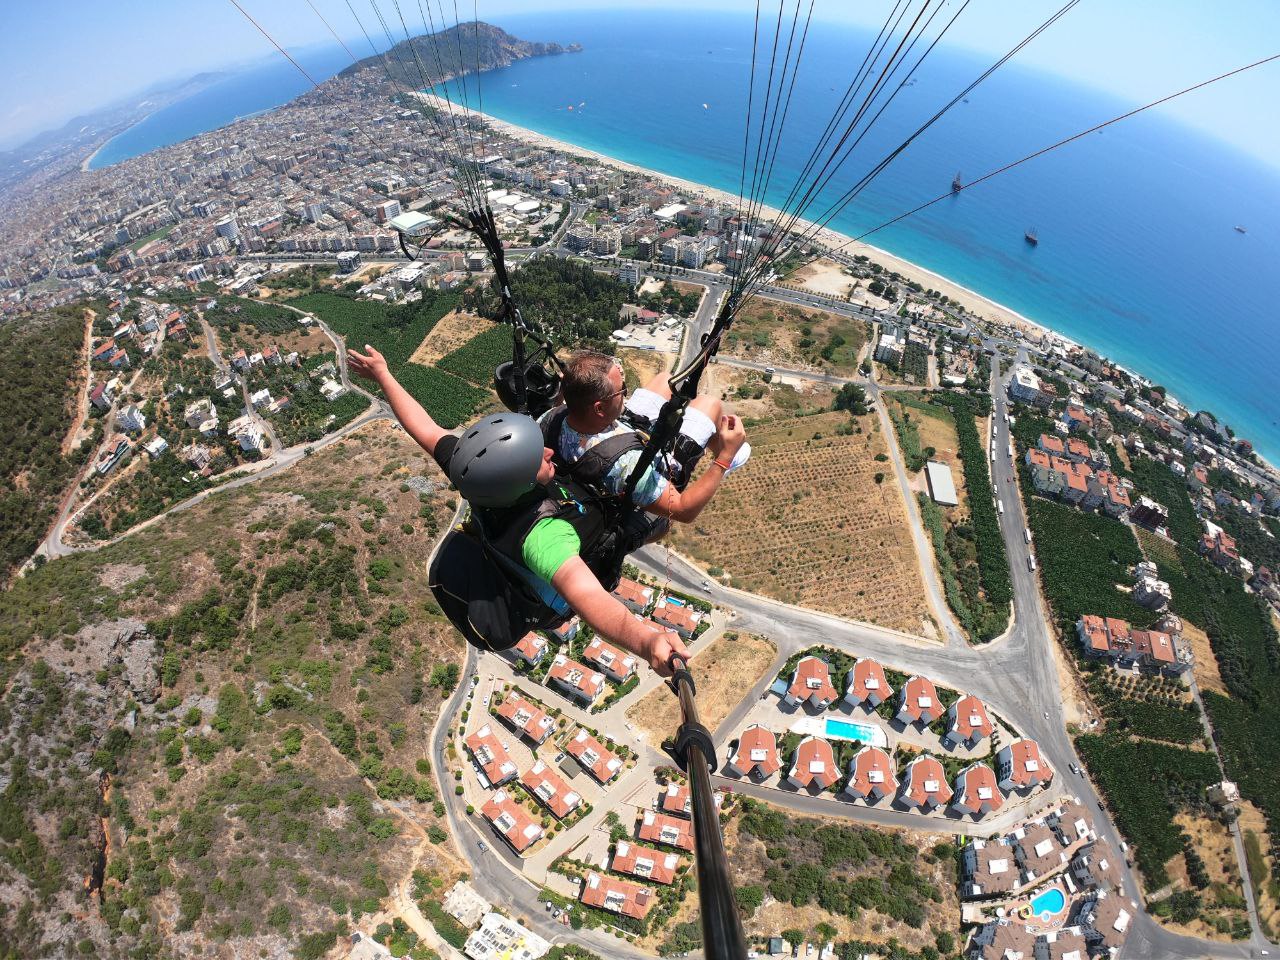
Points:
x=941 y=485
x=501 y=939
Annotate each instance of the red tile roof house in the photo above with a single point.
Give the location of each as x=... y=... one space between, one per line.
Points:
x=967 y=723
x=681 y=618
x=526 y=719
x=814 y=766
x=491 y=756
x=1094 y=635
x=567 y=630
x=581 y=683
x=511 y=821
x=550 y=790
x=757 y=754
x=635 y=596
x=676 y=799
x=924 y=785
x=670 y=831
x=592 y=754
x=618 y=896
x=1021 y=768
x=614 y=662
x=811 y=682
x=918 y=702
x=976 y=792
x=1051 y=445
x=530 y=648
x=871 y=775
x=867 y=684
x=645 y=863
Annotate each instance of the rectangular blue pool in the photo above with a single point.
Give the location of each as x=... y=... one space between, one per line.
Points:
x=846 y=730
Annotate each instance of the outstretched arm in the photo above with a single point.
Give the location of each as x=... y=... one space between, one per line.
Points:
x=415 y=420
x=684 y=506
x=606 y=615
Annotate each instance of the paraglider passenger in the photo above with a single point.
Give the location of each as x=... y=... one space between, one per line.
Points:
x=533 y=550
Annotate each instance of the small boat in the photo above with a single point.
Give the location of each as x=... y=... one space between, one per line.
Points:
x=956 y=184
x=1240 y=229
x=1031 y=236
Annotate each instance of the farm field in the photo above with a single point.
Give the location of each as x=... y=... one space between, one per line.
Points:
x=454 y=329
x=807 y=522
x=725 y=670
x=769 y=331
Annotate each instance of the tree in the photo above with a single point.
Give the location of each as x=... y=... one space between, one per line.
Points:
x=793 y=937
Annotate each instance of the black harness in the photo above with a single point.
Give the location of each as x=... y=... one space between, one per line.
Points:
x=479 y=577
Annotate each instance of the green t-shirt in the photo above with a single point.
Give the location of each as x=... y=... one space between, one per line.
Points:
x=549 y=544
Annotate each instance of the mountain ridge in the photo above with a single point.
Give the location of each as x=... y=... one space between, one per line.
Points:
x=461 y=49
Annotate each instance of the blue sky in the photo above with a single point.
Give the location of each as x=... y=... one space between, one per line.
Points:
x=64 y=58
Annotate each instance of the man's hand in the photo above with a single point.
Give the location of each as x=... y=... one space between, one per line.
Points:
x=372 y=365
x=664 y=645
x=729 y=438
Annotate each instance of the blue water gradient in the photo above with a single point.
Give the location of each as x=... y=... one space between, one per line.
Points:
x=241 y=95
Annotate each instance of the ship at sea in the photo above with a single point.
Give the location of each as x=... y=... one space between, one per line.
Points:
x=1031 y=236
x=956 y=184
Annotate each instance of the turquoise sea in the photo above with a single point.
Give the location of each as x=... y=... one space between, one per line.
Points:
x=1137 y=257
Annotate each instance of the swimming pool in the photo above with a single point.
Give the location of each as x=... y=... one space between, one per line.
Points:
x=844 y=730
x=1046 y=904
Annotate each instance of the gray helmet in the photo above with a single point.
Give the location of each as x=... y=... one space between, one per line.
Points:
x=497 y=459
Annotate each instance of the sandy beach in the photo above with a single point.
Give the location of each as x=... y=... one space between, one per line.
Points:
x=970 y=300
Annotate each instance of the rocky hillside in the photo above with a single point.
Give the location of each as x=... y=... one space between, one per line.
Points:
x=467 y=48
x=214 y=734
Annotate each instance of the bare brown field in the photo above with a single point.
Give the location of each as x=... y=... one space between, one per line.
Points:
x=770 y=331
x=1206 y=663
x=823 y=276
x=807 y=523
x=308 y=341
x=725 y=672
x=454 y=329
x=1252 y=821
x=640 y=366
x=1212 y=841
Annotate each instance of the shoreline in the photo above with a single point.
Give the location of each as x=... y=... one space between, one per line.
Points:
x=971 y=300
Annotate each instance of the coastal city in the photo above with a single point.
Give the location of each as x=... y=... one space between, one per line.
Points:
x=984 y=633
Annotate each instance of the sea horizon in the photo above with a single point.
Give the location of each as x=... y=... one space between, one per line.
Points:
x=1138 y=256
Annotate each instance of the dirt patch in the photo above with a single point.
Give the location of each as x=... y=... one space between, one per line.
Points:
x=823 y=276
x=454 y=329
x=307 y=341
x=1266 y=888
x=1208 y=677
x=807 y=522
x=116 y=576
x=641 y=366
x=725 y=670
x=1212 y=841
x=786 y=335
